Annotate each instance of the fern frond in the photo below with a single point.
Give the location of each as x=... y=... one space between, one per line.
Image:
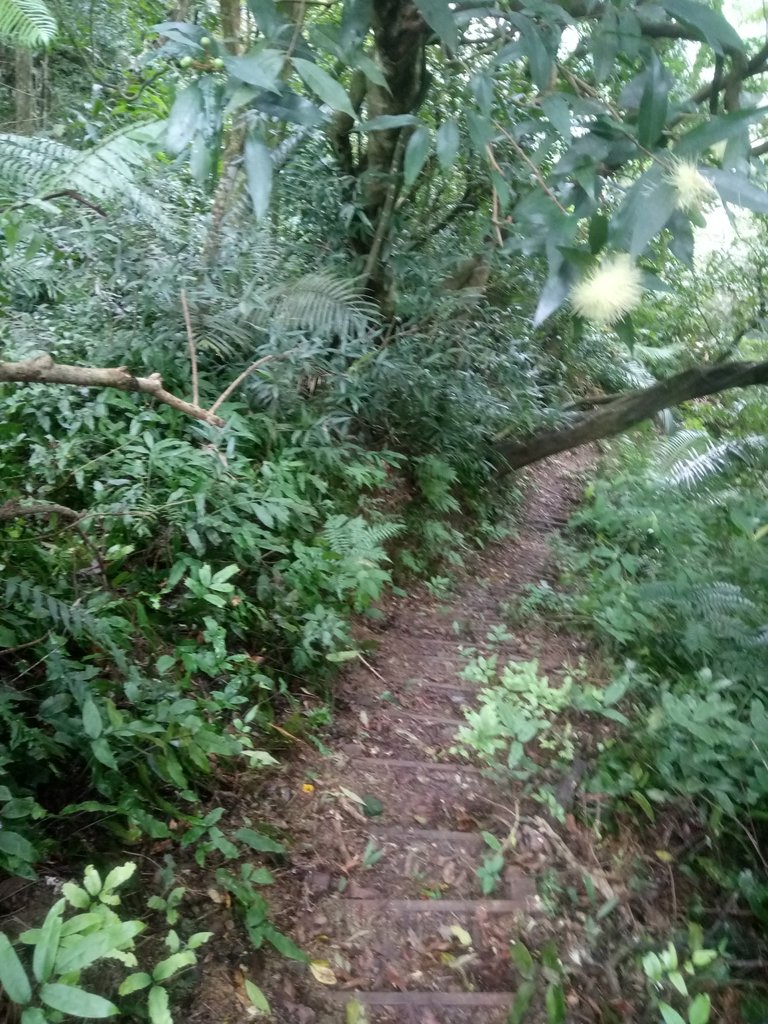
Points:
x=105 y=172
x=27 y=23
x=324 y=305
x=690 y=457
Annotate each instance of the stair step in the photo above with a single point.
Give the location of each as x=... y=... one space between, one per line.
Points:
x=432 y=1000
x=421 y=908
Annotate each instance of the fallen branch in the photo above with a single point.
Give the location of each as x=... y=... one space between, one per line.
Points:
x=15 y=508
x=633 y=407
x=43 y=370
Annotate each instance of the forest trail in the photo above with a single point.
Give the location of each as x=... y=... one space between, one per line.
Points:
x=385 y=893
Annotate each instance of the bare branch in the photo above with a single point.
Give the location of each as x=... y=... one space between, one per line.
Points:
x=16 y=508
x=245 y=374
x=43 y=370
x=192 y=349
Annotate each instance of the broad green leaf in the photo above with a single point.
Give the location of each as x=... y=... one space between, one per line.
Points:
x=164 y=664
x=737 y=188
x=703 y=957
x=33 y=1015
x=257 y=997
x=48 y=943
x=173 y=964
x=717 y=129
x=522 y=960
x=700 y=1008
x=416 y=153
x=184 y=119
x=670 y=1015
x=198 y=939
x=372 y=806
x=259 y=67
x=135 y=983
x=93 y=947
x=268 y=19
x=439 y=16
x=257 y=841
x=258 y=175
x=605 y=43
x=92 y=723
x=554 y=1000
x=77 y=1002
x=284 y=945
x=76 y=896
x=328 y=89
x=355 y=1012
x=17 y=846
x=447 y=144
x=103 y=753
x=92 y=880
x=159 y=1007
x=678 y=981
x=652 y=115
x=13 y=977
x=523 y=999
x=718 y=32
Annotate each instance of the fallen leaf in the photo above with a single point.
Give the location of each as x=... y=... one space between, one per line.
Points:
x=321 y=971
x=372 y=806
x=461 y=935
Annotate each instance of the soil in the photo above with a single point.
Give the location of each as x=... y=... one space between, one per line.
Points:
x=387 y=826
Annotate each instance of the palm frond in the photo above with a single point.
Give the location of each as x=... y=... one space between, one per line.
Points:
x=27 y=23
x=324 y=305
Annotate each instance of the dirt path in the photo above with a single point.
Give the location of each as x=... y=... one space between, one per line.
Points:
x=385 y=892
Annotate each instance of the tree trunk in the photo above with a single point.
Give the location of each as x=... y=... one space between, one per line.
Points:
x=24 y=103
x=229 y=15
x=633 y=407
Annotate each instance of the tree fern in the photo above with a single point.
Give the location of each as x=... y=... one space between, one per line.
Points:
x=322 y=304
x=26 y=23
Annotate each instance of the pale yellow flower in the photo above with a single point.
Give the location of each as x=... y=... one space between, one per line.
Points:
x=692 y=188
x=610 y=291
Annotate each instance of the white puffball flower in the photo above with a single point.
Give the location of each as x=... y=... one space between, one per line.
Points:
x=692 y=188
x=610 y=291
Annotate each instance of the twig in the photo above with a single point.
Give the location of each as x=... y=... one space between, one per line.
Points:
x=537 y=173
x=371 y=668
x=245 y=374
x=192 y=349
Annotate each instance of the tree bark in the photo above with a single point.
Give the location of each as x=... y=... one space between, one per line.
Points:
x=634 y=407
x=24 y=101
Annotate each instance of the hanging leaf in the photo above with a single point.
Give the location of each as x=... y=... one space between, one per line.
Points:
x=447 y=144
x=92 y=724
x=186 y=112
x=738 y=189
x=653 y=211
x=268 y=19
x=257 y=160
x=259 y=67
x=328 y=89
x=718 y=32
x=717 y=129
x=439 y=16
x=539 y=60
x=371 y=70
x=654 y=103
x=605 y=43
x=555 y=106
x=416 y=153
x=553 y=295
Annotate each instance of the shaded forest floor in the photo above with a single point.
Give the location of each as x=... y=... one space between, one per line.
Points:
x=389 y=826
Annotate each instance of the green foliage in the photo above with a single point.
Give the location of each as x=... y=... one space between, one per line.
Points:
x=45 y=971
x=26 y=23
